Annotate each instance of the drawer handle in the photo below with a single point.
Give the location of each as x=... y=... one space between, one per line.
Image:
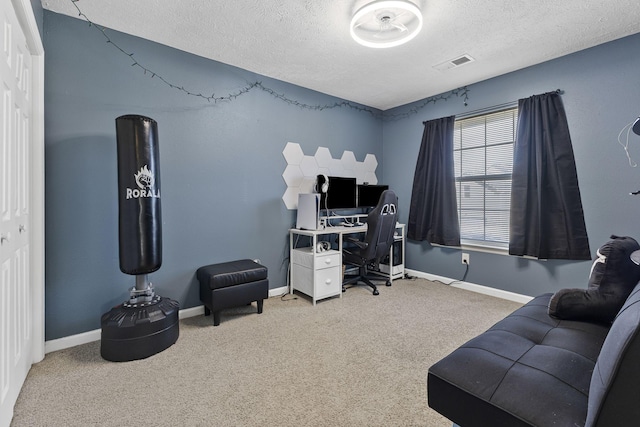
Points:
x=327 y=261
x=328 y=281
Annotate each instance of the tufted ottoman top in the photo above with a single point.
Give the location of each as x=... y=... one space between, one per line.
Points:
x=508 y=375
x=231 y=273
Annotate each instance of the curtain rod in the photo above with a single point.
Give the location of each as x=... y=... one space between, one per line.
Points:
x=486 y=110
x=494 y=108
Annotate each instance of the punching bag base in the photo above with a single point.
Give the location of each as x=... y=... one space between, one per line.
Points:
x=132 y=332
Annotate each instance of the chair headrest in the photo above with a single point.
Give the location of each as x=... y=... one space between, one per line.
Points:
x=387 y=204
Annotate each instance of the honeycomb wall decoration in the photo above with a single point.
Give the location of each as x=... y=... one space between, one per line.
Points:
x=301 y=171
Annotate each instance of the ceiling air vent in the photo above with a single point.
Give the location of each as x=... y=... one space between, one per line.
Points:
x=453 y=63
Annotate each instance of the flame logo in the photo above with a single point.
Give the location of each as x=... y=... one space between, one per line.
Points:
x=144 y=178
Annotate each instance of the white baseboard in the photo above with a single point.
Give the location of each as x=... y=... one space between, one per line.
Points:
x=71 y=341
x=277 y=292
x=498 y=293
x=90 y=336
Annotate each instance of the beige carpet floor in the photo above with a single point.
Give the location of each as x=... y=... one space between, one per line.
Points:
x=359 y=360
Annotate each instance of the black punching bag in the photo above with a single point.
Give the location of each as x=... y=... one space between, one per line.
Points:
x=140 y=218
x=146 y=323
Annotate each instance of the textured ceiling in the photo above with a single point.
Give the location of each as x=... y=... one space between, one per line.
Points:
x=307 y=42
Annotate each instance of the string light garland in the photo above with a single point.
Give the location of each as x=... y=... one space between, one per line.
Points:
x=460 y=92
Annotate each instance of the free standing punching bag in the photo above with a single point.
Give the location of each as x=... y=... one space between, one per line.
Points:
x=139 y=211
x=145 y=324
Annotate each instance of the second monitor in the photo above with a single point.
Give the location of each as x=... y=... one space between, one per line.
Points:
x=368 y=195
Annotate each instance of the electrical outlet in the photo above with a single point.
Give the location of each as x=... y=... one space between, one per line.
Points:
x=465 y=258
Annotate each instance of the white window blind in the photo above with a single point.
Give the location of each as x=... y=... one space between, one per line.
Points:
x=483 y=158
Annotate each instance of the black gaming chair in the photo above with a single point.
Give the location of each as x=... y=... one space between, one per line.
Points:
x=381 y=225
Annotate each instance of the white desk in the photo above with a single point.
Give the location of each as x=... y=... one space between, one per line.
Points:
x=319 y=273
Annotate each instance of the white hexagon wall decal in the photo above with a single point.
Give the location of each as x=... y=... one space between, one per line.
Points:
x=292 y=175
x=309 y=166
x=293 y=153
x=290 y=198
x=371 y=178
x=370 y=163
x=307 y=185
x=348 y=161
x=336 y=167
x=324 y=171
x=300 y=173
x=323 y=157
x=360 y=172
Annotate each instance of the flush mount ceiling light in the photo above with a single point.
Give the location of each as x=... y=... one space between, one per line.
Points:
x=386 y=23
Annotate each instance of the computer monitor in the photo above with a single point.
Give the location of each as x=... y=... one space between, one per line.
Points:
x=368 y=195
x=341 y=194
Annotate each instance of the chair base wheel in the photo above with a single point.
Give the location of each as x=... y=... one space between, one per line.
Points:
x=376 y=292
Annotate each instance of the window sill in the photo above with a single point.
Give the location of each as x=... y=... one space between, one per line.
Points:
x=492 y=248
x=475 y=245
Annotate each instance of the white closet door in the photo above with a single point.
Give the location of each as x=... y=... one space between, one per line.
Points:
x=16 y=308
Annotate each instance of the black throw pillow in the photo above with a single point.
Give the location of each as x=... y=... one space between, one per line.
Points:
x=613 y=277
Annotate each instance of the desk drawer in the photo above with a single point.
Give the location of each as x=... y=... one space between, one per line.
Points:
x=331 y=259
x=302 y=256
x=305 y=257
x=327 y=282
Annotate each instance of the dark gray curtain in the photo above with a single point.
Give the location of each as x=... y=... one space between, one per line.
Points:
x=547 y=220
x=433 y=213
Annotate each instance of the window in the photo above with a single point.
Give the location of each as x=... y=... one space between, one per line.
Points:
x=483 y=159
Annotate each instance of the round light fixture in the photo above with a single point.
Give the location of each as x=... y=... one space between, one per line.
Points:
x=386 y=23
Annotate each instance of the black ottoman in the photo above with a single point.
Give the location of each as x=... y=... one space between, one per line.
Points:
x=232 y=284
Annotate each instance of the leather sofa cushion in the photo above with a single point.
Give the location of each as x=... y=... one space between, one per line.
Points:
x=527 y=369
x=614 y=394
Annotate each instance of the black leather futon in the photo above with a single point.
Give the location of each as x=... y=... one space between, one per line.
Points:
x=569 y=359
x=532 y=369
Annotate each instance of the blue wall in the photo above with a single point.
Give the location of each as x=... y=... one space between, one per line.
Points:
x=601 y=95
x=221 y=166
x=36 y=5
